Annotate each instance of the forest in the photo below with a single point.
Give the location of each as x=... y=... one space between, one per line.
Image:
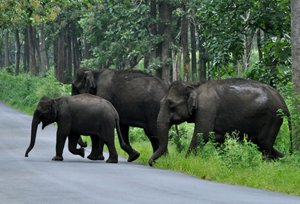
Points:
x=44 y=42
x=189 y=40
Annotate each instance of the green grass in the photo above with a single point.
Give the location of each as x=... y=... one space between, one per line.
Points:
x=234 y=163
x=24 y=91
x=280 y=176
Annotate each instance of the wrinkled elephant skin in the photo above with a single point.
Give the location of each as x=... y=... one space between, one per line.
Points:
x=224 y=106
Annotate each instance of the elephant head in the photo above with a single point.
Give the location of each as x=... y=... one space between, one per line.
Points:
x=84 y=83
x=46 y=112
x=176 y=107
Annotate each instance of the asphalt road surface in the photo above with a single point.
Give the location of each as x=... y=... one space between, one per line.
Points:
x=37 y=179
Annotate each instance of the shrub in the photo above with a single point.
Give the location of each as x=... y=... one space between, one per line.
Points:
x=24 y=91
x=240 y=154
x=137 y=135
x=178 y=137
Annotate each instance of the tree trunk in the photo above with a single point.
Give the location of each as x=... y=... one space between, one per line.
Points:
x=247 y=50
x=165 y=14
x=6 y=49
x=68 y=50
x=59 y=55
x=76 y=54
x=43 y=50
x=151 y=55
x=31 y=45
x=86 y=49
x=17 y=53
x=66 y=53
x=193 y=50
x=202 y=61
x=26 y=57
x=37 y=50
x=295 y=38
x=185 y=46
x=258 y=35
x=176 y=56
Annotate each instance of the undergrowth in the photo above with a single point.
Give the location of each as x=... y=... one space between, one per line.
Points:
x=24 y=91
x=234 y=162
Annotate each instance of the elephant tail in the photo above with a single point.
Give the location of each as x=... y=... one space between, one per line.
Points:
x=120 y=136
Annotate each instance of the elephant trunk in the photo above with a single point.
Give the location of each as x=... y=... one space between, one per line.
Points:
x=163 y=126
x=34 y=126
x=163 y=132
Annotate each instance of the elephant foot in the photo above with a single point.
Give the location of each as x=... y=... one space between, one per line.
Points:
x=110 y=160
x=57 y=158
x=81 y=152
x=99 y=157
x=82 y=143
x=151 y=162
x=133 y=156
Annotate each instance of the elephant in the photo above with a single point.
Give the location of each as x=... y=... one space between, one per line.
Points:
x=83 y=114
x=223 y=106
x=135 y=95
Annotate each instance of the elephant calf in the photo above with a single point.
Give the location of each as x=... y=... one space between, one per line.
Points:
x=83 y=114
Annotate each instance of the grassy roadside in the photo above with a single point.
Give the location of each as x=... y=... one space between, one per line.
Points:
x=235 y=163
x=281 y=176
x=24 y=91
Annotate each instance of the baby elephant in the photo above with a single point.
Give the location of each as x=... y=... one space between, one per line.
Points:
x=82 y=114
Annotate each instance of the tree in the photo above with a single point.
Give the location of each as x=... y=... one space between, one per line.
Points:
x=295 y=38
x=165 y=14
x=184 y=42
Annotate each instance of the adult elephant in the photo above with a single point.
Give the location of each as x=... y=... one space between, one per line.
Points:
x=135 y=95
x=223 y=106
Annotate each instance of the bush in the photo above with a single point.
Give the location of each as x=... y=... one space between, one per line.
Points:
x=240 y=154
x=24 y=91
x=179 y=136
x=137 y=135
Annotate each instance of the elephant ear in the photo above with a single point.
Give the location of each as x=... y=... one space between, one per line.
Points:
x=89 y=80
x=192 y=99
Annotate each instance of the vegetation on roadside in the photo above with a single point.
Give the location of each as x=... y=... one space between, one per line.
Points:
x=233 y=162
x=24 y=90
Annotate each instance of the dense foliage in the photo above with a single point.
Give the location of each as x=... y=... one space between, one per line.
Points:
x=211 y=39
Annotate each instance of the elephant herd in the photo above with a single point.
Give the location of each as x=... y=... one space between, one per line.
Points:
x=105 y=100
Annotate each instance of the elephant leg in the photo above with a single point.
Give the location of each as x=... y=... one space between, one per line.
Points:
x=101 y=146
x=133 y=154
x=61 y=136
x=152 y=135
x=266 y=139
x=204 y=124
x=97 y=152
x=73 y=140
x=109 y=139
x=81 y=142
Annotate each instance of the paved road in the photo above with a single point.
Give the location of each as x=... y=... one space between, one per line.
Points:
x=37 y=179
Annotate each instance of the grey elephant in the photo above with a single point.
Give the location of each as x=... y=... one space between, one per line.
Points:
x=223 y=106
x=83 y=114
x=135 y=95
